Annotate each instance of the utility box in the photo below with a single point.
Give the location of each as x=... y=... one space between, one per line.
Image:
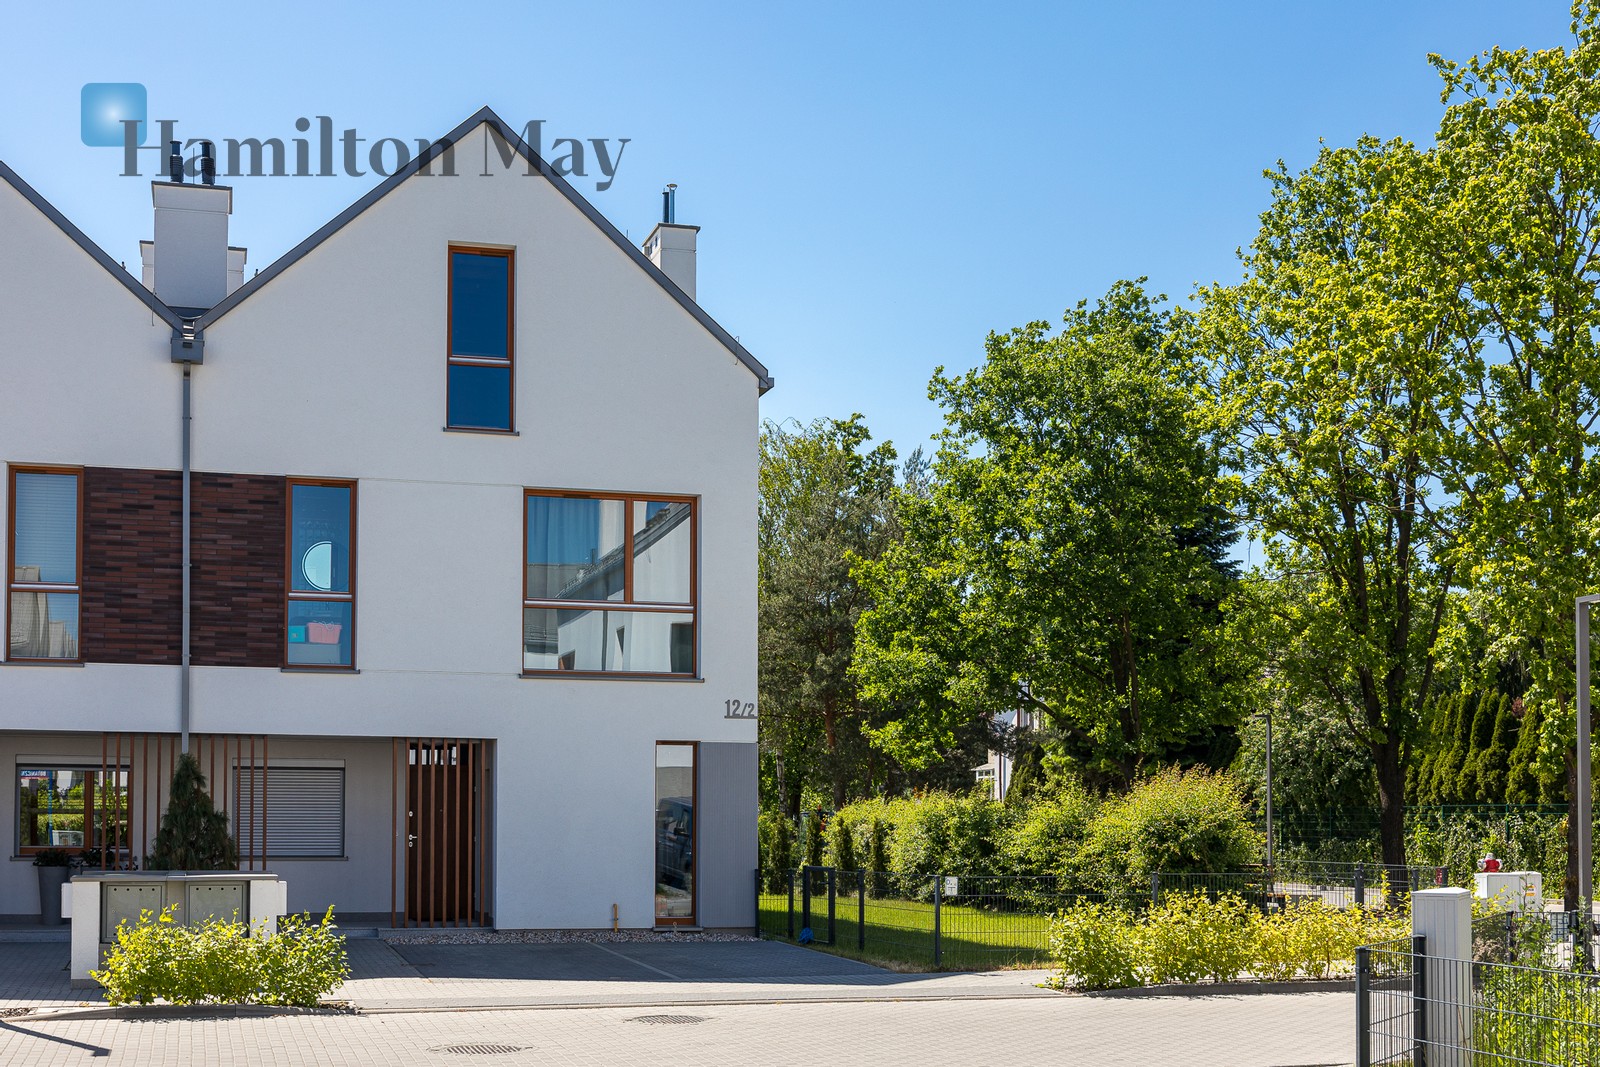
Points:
x=98 y=901
x=1518 y=891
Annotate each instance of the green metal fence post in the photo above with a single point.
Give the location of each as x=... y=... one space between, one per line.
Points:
x=1361 y=885
x=938 y=949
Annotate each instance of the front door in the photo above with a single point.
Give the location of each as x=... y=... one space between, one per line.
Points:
x=443 y=829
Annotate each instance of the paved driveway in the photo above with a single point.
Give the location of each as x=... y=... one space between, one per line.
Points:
x=409 y=976
x=669 y=1004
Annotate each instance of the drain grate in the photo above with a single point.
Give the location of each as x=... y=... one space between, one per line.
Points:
x=478 y=1050
x=14 y=1013
x=667 y=1020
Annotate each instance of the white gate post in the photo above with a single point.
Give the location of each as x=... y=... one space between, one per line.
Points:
x=1444 y=917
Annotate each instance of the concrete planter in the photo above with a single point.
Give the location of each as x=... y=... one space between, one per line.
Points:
x=99 y=900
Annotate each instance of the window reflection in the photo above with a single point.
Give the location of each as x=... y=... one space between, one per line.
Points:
x=675 y=833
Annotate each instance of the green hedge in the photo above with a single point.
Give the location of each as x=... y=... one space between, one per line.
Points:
x=1172 y=821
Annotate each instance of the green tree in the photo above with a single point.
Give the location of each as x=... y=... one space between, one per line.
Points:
x=1495 y=763
x=1071 y=556
x=1516 y=239
x=1328 y=370
x=193 y=835
x=825 y=501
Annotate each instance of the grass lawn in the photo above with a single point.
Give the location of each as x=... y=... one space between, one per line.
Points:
x=899 y=933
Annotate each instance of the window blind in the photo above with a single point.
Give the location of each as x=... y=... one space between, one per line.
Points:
x=304 y=809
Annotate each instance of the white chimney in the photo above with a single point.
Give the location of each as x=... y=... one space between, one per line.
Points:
x=188 y=264
x=671 y=246
x=235 y=268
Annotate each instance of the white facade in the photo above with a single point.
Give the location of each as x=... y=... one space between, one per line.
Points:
x=334 y=367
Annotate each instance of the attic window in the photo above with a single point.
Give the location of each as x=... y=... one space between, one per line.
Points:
x=480 y=377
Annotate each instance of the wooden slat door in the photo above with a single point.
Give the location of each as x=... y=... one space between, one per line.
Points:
x=444 y=822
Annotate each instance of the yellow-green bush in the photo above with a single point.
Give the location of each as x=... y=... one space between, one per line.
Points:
x=222 y=962
x=1194 y=938
x=1100 y=946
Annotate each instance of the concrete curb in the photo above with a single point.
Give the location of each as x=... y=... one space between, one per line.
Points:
x=181 y=1011
x=1229 y=989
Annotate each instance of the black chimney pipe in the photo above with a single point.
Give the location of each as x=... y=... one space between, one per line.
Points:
x=208 y=164
x=175 y=163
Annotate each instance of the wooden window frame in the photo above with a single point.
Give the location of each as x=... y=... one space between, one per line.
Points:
x=13 y=586
x=453 y=360
x=693 y=917
x=627 y=603
x=91 y=805
x=292 y=595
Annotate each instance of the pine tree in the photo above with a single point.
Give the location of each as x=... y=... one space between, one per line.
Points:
x=1522 y=780
x=1495 y=761
x=194 y=835
x=1442 y=783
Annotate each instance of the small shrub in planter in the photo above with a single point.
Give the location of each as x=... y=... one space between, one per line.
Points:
x=222 y=962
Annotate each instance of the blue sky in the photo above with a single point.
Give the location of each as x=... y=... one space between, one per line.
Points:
x=879 y=185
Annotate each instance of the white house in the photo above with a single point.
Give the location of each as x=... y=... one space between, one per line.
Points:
x=462 y=621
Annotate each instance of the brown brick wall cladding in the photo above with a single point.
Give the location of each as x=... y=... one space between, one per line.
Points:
x=236 y=586
x=132 y=603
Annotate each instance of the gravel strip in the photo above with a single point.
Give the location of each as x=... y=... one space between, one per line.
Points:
x=561 y=937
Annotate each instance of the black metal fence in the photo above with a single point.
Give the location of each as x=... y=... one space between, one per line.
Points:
x=1338 y=885
x=943 y=921
x=1502 y=1008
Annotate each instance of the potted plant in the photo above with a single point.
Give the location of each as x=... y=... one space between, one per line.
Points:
x=54 y=865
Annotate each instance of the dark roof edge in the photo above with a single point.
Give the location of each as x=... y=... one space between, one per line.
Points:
x=95 y=252
x=382 y=189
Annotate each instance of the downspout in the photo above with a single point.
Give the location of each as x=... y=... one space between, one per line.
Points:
x=183 y=676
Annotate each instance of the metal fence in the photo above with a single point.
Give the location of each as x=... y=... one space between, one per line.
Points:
x=944 y=921
x=1501 y=1008
x=1338 y=885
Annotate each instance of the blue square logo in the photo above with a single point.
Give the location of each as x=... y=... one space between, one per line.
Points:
x=106 y=106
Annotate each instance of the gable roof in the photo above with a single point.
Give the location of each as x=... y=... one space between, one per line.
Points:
x=95 y=252
x=487 y=116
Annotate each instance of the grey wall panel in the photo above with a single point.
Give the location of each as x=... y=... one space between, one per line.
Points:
x=729 y=787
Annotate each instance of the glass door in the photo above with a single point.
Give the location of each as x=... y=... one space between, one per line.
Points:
x=675 y=836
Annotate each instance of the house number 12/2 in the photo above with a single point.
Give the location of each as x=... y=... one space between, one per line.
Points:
x=739 y=709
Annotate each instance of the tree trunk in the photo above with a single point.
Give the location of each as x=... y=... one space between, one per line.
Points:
x=1391 y=803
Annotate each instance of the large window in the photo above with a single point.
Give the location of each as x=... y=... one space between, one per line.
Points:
x=320 y=626
x=479 y=389
x=675 y=837
x=609 y=584
x=45 y=569
x=73 y=808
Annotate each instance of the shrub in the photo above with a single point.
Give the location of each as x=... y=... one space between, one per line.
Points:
x=1191 y=937
x=943 y=834
x=1174 y=821
x=1046 y=836
x=1099 y=946
x=776 y=836
x=223 y=962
